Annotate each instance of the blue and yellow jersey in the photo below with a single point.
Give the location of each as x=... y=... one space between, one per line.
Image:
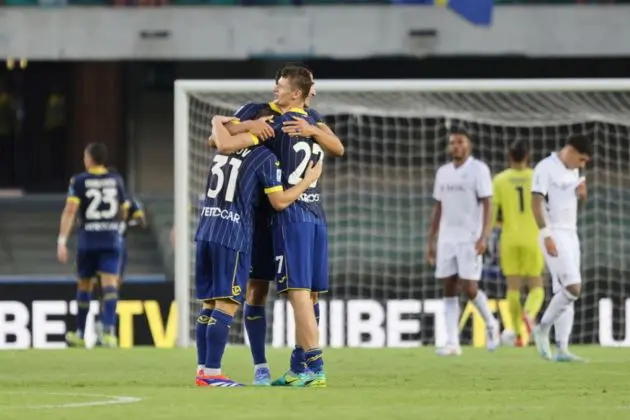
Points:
x=234 y=190
x=100 y=195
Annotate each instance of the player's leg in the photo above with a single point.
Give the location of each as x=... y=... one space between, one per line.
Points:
x=86 y=269
x=256 y=327
x=263 y=271
x=469 y=268
x=315 y=361
x=293 y=245
x=97 y=292
x=203 y=284
x=534 y=283
x=226 y=274
x=109 y=267
x=446 y=273
x=566 y=288
x=511 y=267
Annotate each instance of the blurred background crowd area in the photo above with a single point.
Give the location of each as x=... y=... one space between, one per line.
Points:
x=271 y=2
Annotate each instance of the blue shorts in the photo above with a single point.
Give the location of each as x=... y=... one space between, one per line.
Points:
x=220 y=272
x=91 y=262
x=263 y=263
x=301 y=252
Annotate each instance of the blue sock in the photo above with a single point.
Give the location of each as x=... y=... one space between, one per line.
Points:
x=201 y=328
x=298 y=364
x=83 y=307
x=316 y=309
x=108 y=317
x=256 y=326
x=314 y=360
x=217 y=338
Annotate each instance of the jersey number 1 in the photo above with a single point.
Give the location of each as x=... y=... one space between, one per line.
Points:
x=217 y=170
x=298 y=174
x=521 y=198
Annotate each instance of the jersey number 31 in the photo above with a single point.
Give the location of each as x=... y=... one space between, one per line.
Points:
x=217 y=170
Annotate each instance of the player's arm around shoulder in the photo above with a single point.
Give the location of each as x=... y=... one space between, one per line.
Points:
x=227 y=143
x=270 y=175
x=323 y=135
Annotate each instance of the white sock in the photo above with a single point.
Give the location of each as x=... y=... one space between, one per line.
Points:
x=560 y=302
x=451 y=315
x=211 y=372
x=201 y=368
x=260 y=366
x=481 y=303
x=563 y=326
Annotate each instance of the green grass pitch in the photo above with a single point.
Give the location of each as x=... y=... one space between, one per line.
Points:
x=147 y=384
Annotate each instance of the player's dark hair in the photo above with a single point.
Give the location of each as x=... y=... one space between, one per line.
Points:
x=289 y=65
x=264 y=112
x=300 y=78
x=98 y=153
x=581 y=143
x=459 y=131
x=518 y=151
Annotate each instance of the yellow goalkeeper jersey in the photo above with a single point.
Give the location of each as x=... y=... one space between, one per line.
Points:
x=512 y=207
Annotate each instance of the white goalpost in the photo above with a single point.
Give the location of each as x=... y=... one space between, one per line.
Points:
x=378 y=196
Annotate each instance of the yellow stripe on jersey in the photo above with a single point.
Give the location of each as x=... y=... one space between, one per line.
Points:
x=273 y=189
x=235 y=121
x=512 y=196
x=254 y=139
x=74 y=199
x=138 y=214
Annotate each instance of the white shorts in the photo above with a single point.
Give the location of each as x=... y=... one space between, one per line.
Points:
x=460 y=259
x=565 y=268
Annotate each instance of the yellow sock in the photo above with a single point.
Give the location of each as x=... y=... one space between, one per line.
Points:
x=516 y=311
x=535 y=300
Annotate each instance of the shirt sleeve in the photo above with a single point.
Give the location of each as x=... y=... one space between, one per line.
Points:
x=541 y=179
x=316 y=117
x=122 y=194
x=270 y=175
x=484 y=181
x=246 y=112
x=73 y=194
x=437 y=191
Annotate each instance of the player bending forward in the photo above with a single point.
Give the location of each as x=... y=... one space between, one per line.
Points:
x=520 y=256
x=557 y=187
x=462 y=214
x=100 y=198
x=224 y=238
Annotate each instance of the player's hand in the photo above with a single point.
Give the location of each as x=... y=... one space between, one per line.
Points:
x=261 y=128
x=550 y=246
x=314 y=171
x=481 y=245
x=221 y=119
x=62 y=253
x=581 y=189
x=430 y=255
x=298 y=127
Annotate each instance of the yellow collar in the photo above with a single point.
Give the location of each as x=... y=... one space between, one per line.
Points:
x=275 y=108
x=97 y=170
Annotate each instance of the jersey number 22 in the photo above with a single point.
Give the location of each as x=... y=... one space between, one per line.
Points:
x=298 y=174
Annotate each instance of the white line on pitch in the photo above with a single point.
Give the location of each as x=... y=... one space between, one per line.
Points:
x=106 y=400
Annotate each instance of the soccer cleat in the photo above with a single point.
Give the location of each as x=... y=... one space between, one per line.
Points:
x=449 y=350
x=73 y=339
x=493 y=337
x=262 y=376
x=541 y=339
x=567 y=356
x=292 y=379
x=218 y=381
x=319 y=381
x=109 y=341
x=99 y=330
x=520 y=342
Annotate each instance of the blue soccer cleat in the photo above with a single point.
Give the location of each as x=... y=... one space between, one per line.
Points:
x=293 y=379
x=567 y=356
x=262 y=376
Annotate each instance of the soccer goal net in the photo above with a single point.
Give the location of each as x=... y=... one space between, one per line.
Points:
x=378 y=196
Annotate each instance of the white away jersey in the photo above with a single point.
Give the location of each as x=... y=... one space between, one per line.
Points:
x=557 y=183
x=460 y=191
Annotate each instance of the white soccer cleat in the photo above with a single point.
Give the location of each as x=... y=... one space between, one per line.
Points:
x=493 y=337
x=567 y=356
x=449 y=350
x=541 y=339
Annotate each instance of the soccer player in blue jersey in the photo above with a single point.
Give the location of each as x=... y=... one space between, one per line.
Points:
x=236 y=183
x=99 y=198
x=135 y=219
x=254 y=116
